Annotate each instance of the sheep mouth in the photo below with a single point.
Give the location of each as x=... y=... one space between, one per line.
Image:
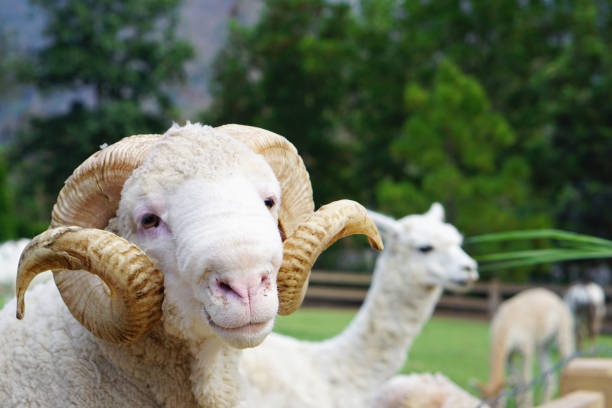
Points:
x=251 y=328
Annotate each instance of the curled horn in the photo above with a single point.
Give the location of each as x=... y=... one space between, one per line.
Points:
x=306 y=233
x=125 y=305
x=330 y=223
x=120 y=298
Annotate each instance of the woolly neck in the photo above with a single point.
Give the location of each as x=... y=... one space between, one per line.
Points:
x=375 y=344
x=178 y=374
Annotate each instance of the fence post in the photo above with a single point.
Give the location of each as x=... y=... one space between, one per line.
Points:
x=494 y=297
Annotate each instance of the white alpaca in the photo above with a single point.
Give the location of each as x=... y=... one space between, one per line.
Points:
x=422 y=256
x=587 y=302
x=524 y=326
x=423 y=391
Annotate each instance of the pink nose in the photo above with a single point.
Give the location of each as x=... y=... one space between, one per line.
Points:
x=243 y=288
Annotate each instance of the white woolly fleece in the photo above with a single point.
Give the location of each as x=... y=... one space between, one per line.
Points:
x=217 y=244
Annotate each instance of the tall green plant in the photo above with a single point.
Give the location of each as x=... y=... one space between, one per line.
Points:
x=553 y=246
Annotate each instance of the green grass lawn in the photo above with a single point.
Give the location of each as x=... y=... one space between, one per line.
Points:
x=456 y=347
x=459 y=348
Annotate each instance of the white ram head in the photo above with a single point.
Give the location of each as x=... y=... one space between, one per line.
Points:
x=201 y=224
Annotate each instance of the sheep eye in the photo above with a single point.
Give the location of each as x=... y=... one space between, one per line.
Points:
x=425 y=248
x=269 y=202
x=150 y=221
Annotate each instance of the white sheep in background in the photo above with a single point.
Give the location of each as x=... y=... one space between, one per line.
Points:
x=198 y=222
x=9 y=258
x=523 y=326
x=422 y=256
x=587 y=302
x=423 y=391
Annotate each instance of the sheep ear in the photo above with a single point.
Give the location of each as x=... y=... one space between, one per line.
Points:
x=436 y=211
x=388 y=227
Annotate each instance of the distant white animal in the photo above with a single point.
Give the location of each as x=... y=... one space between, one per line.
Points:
x=423 y=391
x=587 y=301
x=526 y=325
x=422 y=256
x=167 y=252
x=10 y=251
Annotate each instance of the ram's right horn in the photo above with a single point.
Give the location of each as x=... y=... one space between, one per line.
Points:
x=327 y=225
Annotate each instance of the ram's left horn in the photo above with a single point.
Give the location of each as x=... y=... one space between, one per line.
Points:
x=114 y=289
x=327 y=225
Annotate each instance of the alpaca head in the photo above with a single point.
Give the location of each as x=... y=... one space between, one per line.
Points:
x=428 y=249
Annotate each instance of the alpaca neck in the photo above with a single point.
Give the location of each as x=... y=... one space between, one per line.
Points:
x=497 y=364
x=375 y=343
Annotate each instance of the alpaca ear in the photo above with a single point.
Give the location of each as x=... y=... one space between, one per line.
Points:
x=388 y=227
x=436 y=211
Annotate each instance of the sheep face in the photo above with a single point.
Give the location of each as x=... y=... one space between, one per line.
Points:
x=214 y=236
x=429 y=249
x=205 y=205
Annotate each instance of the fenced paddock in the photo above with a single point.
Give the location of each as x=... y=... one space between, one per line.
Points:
x=336 y=288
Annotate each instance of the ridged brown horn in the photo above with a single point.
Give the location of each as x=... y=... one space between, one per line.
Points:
x=117 y=307
x=329 y=224
x=296 y=201
x=89 y=199
x=91 y=194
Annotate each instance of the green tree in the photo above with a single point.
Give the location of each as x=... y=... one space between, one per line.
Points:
x=456 y=149
x=547 y=68
x=8 y=222
x=121 y=53
x=9 y=61
x=288 y=74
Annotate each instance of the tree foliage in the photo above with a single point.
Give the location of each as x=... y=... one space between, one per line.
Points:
x=122 y=54
x=7 y=209
x=286 y=74
x=456 y=149
x=123 y=50
x=542 y=67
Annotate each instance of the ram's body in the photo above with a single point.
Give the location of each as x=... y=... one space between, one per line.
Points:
x=422 y=256
x=57 y=363
x=183 y=278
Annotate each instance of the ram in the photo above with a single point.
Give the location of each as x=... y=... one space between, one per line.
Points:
x=166 y=251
